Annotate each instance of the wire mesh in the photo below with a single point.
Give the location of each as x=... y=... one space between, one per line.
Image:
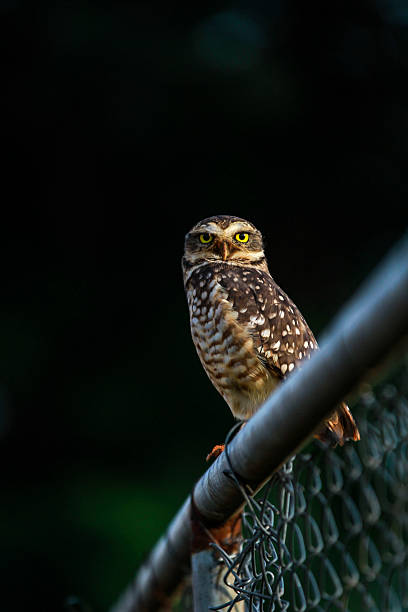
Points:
x=329 y=531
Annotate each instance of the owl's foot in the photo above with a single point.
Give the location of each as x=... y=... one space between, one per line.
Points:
x=216 y=451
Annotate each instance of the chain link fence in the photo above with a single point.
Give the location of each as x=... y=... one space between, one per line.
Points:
x=329 y=531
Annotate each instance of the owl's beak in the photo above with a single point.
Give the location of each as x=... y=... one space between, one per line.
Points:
x=223 y=250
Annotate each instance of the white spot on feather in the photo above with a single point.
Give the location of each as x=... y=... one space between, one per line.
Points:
x=257 y=319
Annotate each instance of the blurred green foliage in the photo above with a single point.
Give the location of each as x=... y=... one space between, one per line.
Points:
x=125 y=123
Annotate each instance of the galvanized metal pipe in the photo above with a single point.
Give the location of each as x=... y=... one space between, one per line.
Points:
x=368 y=327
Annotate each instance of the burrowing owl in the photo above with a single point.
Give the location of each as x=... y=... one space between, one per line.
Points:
x=248 y=334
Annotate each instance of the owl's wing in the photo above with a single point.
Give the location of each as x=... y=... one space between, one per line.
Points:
x=280 y=333
x=282 y=337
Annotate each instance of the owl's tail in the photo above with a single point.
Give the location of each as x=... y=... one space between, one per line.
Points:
x=339 y=428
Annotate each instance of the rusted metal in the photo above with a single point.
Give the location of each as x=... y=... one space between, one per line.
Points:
x=227 y=535
x=209 y=590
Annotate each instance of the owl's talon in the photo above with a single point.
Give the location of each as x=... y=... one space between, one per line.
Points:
x=216 y=451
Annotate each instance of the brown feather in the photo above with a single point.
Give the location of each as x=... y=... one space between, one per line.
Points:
x=248 y=333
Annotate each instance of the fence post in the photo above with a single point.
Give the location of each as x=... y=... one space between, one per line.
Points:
x=207 y=570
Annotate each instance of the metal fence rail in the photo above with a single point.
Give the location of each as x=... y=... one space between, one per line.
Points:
x=372 y=324
x=329 y=531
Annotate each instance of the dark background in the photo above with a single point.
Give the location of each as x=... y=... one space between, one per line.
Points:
x=123 y=124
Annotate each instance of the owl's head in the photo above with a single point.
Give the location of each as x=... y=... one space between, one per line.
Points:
x=224 y=239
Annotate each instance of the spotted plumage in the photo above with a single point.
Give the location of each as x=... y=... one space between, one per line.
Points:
x=248 y=334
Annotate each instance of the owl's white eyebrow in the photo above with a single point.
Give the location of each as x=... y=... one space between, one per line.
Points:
x=211 y=228
x=235 y=227
x=238 y=227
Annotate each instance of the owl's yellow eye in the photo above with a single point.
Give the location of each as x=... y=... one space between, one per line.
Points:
x=205 y=238
x=242 y=237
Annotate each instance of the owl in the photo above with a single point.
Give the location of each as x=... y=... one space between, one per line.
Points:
x=248 y=333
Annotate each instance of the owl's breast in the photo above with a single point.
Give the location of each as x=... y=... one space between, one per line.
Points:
x=225 y=346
